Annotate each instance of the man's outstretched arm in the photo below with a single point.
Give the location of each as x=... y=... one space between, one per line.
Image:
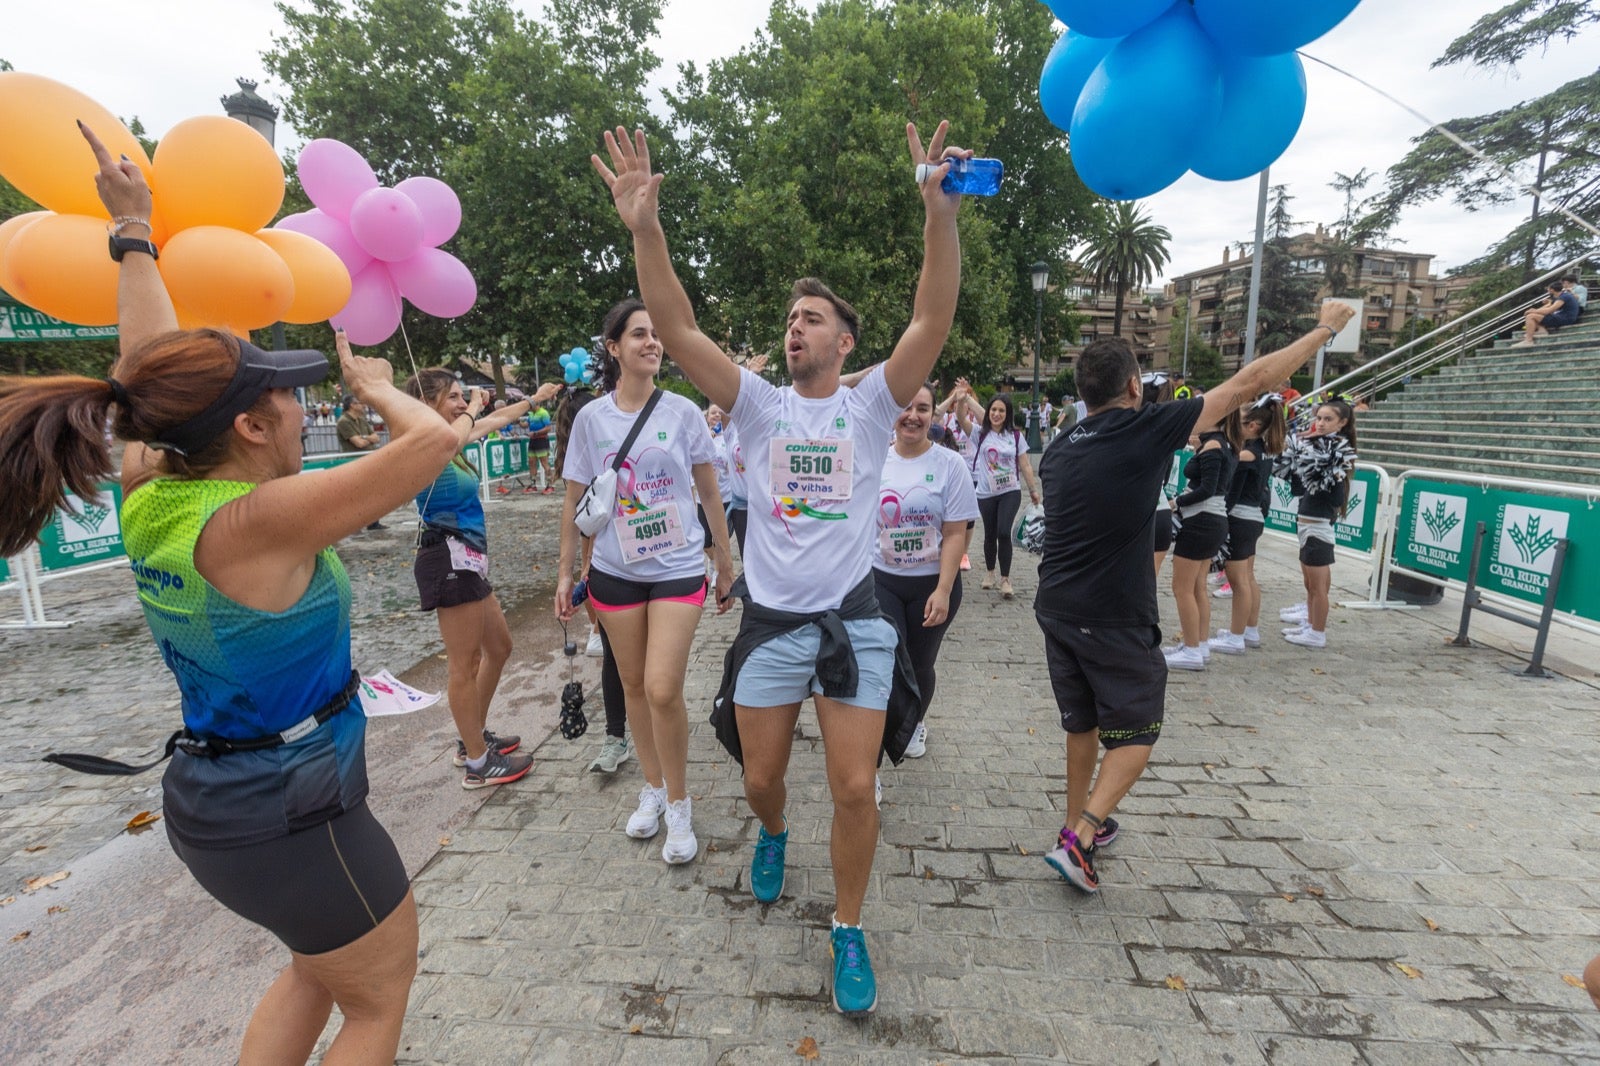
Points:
x=634 y=191
x=1257 y=377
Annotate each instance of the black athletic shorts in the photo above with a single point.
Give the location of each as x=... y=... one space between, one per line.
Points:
x=1243 y=535
x=440 y=584
x=1316 y=553
x=1200 y=536
x=316 y=890
x=705 y=523
x=609 y=593
x=1163 y=529
x=1110 y=678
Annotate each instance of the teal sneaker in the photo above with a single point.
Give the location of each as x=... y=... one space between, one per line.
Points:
x=766 y=865
x=855 y=990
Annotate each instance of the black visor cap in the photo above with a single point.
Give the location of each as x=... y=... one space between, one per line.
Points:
x=258 y=371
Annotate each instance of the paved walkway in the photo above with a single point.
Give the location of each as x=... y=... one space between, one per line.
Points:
x=1382 y=853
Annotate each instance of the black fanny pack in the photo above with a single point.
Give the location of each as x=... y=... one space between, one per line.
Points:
x=191 y=743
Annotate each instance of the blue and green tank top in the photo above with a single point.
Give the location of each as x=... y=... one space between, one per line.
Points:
x=244 y=673
x=451 y=505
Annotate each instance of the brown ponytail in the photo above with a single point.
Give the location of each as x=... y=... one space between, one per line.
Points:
x=53 y=429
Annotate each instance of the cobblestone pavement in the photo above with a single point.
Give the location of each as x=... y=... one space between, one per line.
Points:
x=1380 y=853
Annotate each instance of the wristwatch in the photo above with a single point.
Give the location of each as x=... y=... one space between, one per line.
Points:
x=120 y=246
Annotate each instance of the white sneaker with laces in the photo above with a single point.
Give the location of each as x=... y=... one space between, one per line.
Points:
x=1184 y=657
x=594 y=649
x=1297 y=613
x=646 y=821
x=919 y=742
x=681 y=845
x=1307 y=638
x=1227 y=642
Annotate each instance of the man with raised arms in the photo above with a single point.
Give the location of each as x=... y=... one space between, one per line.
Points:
x=814 y=452
x=1097 y=592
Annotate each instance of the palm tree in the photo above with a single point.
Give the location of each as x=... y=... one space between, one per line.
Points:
x=1128 y=250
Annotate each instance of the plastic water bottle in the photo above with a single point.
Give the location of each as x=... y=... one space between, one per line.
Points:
x=974 y=177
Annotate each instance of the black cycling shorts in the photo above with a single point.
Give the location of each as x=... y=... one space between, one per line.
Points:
x=316 y=889
x=1316 y=553
x=1200 y=536
x=1110 y=678
x=1243 y=536
x=1163 y=529
x=609 y=593
x=440 y=584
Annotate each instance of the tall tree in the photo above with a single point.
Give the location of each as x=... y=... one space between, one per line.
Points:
x=1126 y=250
x=1552 y=136
x=1285 y=308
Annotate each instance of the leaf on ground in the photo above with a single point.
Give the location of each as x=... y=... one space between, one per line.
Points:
x=8 y=901
x=142 y=819
x=955 y=806
x=927 y=875
x=25 y=934
x=1252 y=730
x=1318 y=670
x=57 y=909
x=444 y=842
x=1176 y=983
x=1288 y=896
x=1574 y=981
x=807 y=1049
x=34 y=884
x=1208 y=765
x=1030 y=731
x=1410 y=971
x=635 y=1029
x=1021 y=850
x=1432 y=925
x=31 y=848
x=1314 y=890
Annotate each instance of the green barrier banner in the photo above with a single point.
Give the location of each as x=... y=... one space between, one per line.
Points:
x=1438 y=520
x=504 y=458
x=1357 y=530
x=5 y=571
x=327 y=462
x=84 y=531
x=1180 y=463
x=519 y=456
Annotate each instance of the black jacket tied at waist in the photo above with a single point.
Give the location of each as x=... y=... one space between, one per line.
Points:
x=836 y=664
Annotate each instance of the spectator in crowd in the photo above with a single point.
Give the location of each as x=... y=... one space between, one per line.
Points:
x=357 y=435
x=1560 y=308
x=1578 y=289
x=1180 y=388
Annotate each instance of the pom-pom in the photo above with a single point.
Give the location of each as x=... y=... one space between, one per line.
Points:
x=1318 y=464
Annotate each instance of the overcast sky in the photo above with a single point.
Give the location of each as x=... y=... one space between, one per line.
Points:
x=165 y=60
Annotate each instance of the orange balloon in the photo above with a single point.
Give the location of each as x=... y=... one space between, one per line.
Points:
x=321 y=282
x=216 y=171
x=59 y=264
x=219 y=275
x=42 y=152
x=14 y=225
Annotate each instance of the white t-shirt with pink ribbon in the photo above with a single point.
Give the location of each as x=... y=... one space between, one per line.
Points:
x=915 y=498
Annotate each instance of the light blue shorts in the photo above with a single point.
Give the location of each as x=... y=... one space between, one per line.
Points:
x=784 y=669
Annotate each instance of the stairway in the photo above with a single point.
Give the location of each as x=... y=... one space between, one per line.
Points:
x=1529 y=413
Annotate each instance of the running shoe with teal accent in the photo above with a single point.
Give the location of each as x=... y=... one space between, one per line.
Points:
x=1073 y=861
x=503 y=745
x=766 y=865
x=855 y=990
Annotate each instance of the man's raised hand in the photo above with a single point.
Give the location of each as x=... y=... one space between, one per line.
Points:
x=633 y=187
x=937 y=155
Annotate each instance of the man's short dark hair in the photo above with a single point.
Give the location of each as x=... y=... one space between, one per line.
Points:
x=846 y=313
x=348 y=400
x=1570 y=278
x=1104 y=369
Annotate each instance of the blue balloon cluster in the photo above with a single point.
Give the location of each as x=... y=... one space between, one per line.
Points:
x=575 y=366
x=1151 y=89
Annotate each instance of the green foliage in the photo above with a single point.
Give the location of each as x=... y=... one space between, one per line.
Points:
x=1287 y=302
x=1501 y=38
x=1125 y=250
x=1063 y=384
x=681 y=386
x=1205 y=365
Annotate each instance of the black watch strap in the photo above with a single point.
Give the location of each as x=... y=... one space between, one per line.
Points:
x=120 y=246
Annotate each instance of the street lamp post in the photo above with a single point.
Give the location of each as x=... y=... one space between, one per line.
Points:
x=1041 y=279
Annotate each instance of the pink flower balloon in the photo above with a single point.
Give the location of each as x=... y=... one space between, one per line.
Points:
x=334 y=175
x=440 y=207
x=373 y=313
x=386 y=224
x=436 y=282
x=320 y=226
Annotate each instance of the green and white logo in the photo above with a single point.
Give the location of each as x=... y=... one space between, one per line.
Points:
x=661 y=435
x=1441 y=520
x=838 y=423
x=1527 y=536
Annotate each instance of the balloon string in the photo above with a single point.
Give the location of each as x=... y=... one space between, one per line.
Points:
x=1494 y=166
x=407 y=339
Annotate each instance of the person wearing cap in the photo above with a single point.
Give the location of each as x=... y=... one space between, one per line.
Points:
x=230 y=547
x=356 y=433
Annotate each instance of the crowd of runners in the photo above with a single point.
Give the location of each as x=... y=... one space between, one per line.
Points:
x=852 y=502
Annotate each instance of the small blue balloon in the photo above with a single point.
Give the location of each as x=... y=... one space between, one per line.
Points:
x=571 y=374
x=1268 y=27
x=588 y=375
x=580 y=353
x=1098 y=18
x=1263 y=101
x=1145 y=108
x=1067 y=69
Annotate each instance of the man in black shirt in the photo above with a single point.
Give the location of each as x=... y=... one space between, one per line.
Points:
x=1097 y=591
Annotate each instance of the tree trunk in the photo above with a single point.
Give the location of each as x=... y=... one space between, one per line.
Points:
x=1116 y=323
x=1538 y=183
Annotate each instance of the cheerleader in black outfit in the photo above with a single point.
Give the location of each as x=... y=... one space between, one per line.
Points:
x=1204 y=526
x=1263 y=430
x=1318 y=467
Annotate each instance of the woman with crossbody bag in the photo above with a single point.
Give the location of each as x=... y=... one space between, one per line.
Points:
x=636 y=457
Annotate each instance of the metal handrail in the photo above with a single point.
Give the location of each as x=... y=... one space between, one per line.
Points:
x=1431 y=356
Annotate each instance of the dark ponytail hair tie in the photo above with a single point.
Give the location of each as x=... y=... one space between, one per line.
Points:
x=118 y=393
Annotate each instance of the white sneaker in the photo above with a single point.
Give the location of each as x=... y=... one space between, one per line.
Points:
x=1227 y=642
x=681 y=846
x=919 y=742
x=1307 y=638
x=877 y=791
x=1184 y=657
x=646 y=821
x=1297 y=613
x=1205 y=651
x=1223 y=591
x=1214 y=578
x=1297 y=627
x=1252 y=637
x=594 y=649
x=1524 y=343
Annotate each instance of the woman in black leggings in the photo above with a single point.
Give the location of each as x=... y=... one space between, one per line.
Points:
x=924 y=502
x=1000 y=462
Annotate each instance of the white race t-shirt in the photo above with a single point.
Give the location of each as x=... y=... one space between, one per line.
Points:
x=723 y=464
x=997 y=462
x=915 y=498
x=736 y=480
x=655 y=533
x=812 y=468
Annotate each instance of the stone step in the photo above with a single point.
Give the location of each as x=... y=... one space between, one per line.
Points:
x=1474 y=432
x=1550 y=407
x=1571 y=423
x=1535 y=471
x=1465 y=377
x=1473 y=450
x=1495 y=396
x=1576 y=361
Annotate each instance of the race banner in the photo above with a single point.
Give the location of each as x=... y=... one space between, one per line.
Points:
x=84 y=531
